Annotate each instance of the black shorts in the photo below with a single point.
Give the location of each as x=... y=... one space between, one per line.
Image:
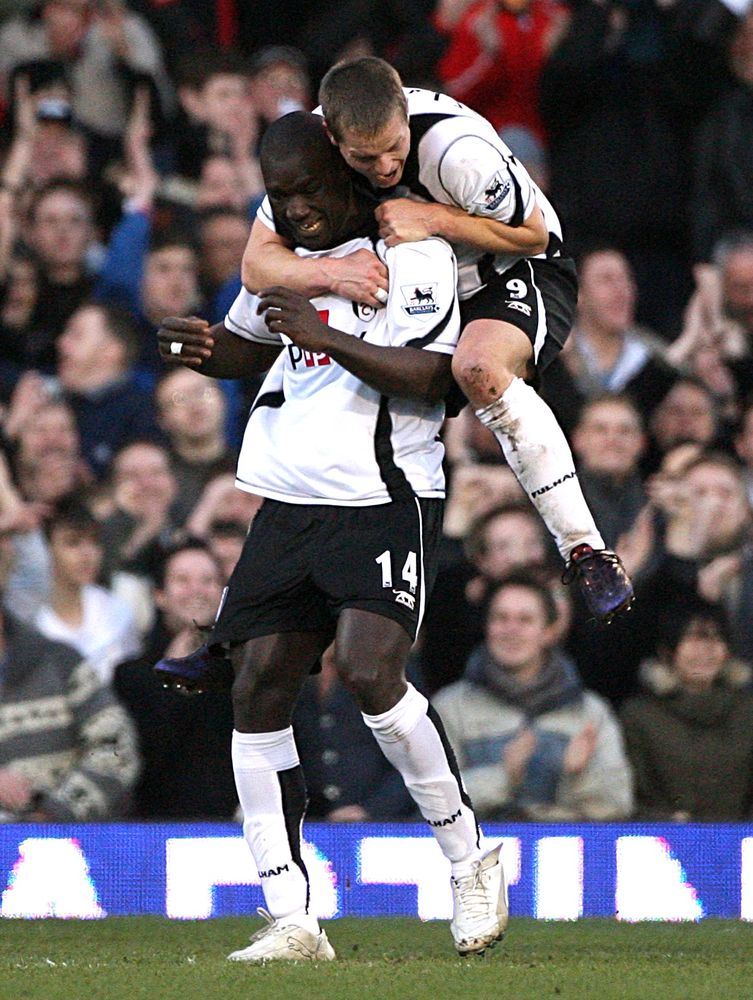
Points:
x=538 y=296
x=301 y=565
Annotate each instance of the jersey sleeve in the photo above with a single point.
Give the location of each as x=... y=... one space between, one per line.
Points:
x=422 y=308
x=264 y=214
x=243 y=320
x=481 y=179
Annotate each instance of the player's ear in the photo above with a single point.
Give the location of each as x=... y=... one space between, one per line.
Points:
x=329 y=134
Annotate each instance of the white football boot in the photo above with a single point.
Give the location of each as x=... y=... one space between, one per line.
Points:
x=283 y=940
x=480 y=906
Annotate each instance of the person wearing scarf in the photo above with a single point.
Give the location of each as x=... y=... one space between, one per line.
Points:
x=531 y=742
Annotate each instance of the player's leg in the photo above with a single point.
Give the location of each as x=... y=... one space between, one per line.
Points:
x=276 y=626
x=386 y=564
x=496 y=354
x=371 y=652
x=270 y=671
x=491 y=363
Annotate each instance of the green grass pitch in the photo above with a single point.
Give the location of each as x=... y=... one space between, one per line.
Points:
x=130 y=958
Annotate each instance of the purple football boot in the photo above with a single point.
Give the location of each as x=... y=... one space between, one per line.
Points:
x=604 y=584
x=206 y=669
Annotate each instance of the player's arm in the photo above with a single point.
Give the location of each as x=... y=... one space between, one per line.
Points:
x=393 y=371
x=268 y=260
x=402 y=220
x=494 y=208
x=214 y=351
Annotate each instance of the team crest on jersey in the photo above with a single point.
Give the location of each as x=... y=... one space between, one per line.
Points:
x=494 y=193
x=421 y=299
x=522 y=307
x=403 y=597
x=364 y=312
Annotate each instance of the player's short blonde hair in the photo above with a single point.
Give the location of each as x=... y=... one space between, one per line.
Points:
x=361 y=95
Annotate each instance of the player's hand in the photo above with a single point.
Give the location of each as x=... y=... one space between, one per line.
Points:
x=580 y=750
x=15 y=790
x=291 y=313
x=403 y=220
x=191 y=333
x=517 y=754
x=359 y=277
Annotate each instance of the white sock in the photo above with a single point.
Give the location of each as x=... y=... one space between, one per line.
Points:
x=537 y=451
x=413 y=740
x=272 y=795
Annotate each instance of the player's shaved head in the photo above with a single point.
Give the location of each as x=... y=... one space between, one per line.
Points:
x=299 y=137
x=310 y=187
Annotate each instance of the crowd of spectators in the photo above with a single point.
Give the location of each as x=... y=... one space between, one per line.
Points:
x=128 y=179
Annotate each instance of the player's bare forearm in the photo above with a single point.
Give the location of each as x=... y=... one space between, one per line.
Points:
x=529 y=238
x=268 y=260
x=214 y=351
x=402 y=220
x=406 y=372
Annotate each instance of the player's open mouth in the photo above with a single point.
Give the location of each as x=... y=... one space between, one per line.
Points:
x=310 y=228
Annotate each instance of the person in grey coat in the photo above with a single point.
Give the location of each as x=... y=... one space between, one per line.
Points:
x=531 y=742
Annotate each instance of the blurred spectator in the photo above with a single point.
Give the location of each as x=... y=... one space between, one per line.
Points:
x=19 y=290
x=689 y=733
x=60 y=232
x=151 y=272
x=222 y=501
x=687 y=413
x=466 y=440
x=348 y=778
x=185 y=742
x=607 y=443
x=47 y=460
x=191 y=412
x=530 y=741
x=221 y=184
x=708 y=546
x=744 y=447
x=722 y=197
x=624 y=644
x=716 y=344
x=139 y=527
x=225 y=541
x=607 y=351
x=104 y=46
x=279 y=82
x=217 y=115
x=67 y=750
x=475 y=488
x=47 y=142
x=506 y=538
x=91 y=619
x=28 y=580
x=496 y=52
x=223 y=234
x=630 y=77
x=97 y=353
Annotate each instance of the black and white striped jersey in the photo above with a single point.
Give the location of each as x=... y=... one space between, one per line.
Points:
x=457 y=158
x=319 y=435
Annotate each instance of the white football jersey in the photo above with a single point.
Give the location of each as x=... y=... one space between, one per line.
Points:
x=457 y=158
x=317 y=433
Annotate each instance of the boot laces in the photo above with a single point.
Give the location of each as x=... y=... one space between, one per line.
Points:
x=472 y=894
